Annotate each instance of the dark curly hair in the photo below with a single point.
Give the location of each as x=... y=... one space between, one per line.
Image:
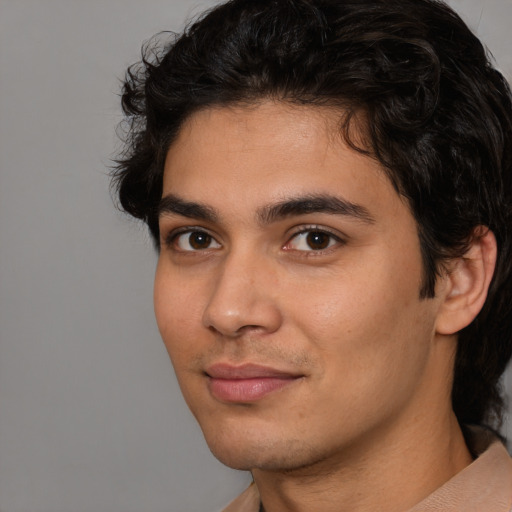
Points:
x=436 y=115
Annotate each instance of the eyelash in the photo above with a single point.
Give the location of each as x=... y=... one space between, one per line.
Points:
x=172 y=238
x=333 y=240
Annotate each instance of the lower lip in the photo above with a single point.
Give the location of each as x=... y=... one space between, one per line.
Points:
x=247 y=390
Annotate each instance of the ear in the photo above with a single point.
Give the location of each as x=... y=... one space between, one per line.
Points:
x=466 y=282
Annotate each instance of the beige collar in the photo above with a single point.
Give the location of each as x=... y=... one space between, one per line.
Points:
x=483 y=486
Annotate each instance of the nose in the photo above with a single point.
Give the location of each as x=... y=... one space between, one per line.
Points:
x=243 y=299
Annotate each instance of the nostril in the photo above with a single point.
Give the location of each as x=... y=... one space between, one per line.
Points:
x=235 y=333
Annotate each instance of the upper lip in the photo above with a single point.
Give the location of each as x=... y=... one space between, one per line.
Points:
x=246 y=371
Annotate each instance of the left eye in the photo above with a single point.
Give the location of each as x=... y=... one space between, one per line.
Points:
x=312 y=241
x=195 y=241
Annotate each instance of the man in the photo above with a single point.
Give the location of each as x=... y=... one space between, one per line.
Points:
x=329 y=186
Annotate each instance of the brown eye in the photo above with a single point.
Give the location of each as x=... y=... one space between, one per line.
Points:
x=318 y=240
x=312 y=240
x=198 y=240
x=195 y=241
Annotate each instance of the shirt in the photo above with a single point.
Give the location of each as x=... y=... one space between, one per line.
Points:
x=483 y=486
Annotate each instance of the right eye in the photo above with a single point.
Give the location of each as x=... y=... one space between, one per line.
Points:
x=194 y=240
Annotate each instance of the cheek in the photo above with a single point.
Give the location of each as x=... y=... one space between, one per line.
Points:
x=362 y=321
x=370 y=364
x=347 y=302
x=177 y=311
x=179 y=319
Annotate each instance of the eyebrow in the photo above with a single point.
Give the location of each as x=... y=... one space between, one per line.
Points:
x=174 y=205
x=294 y=206
x=304 y=205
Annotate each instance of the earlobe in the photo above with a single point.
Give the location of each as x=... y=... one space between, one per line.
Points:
x=467 y=283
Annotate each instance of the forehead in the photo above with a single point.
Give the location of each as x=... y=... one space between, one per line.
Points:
x=246 y=155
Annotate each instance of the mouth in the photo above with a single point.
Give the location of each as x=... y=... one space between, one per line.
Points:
x=247 y=383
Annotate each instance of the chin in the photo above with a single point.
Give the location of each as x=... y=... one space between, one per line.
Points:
x=236 y=449
x=256 y=452
x=235 y=459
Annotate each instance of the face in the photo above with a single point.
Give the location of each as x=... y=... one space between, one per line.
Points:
x=287 y=288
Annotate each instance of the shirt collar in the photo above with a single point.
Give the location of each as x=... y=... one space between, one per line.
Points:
x=483 y=486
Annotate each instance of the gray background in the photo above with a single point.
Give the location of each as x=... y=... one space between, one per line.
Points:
x=91 y=418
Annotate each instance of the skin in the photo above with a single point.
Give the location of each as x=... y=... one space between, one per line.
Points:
x=366 y=423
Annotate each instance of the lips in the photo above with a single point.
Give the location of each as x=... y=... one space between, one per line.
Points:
x=246 y=383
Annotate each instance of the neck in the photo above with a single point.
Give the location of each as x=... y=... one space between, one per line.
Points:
x=392 y=473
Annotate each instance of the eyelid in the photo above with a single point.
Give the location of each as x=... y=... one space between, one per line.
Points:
x=170 y=238
x=314 y=228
